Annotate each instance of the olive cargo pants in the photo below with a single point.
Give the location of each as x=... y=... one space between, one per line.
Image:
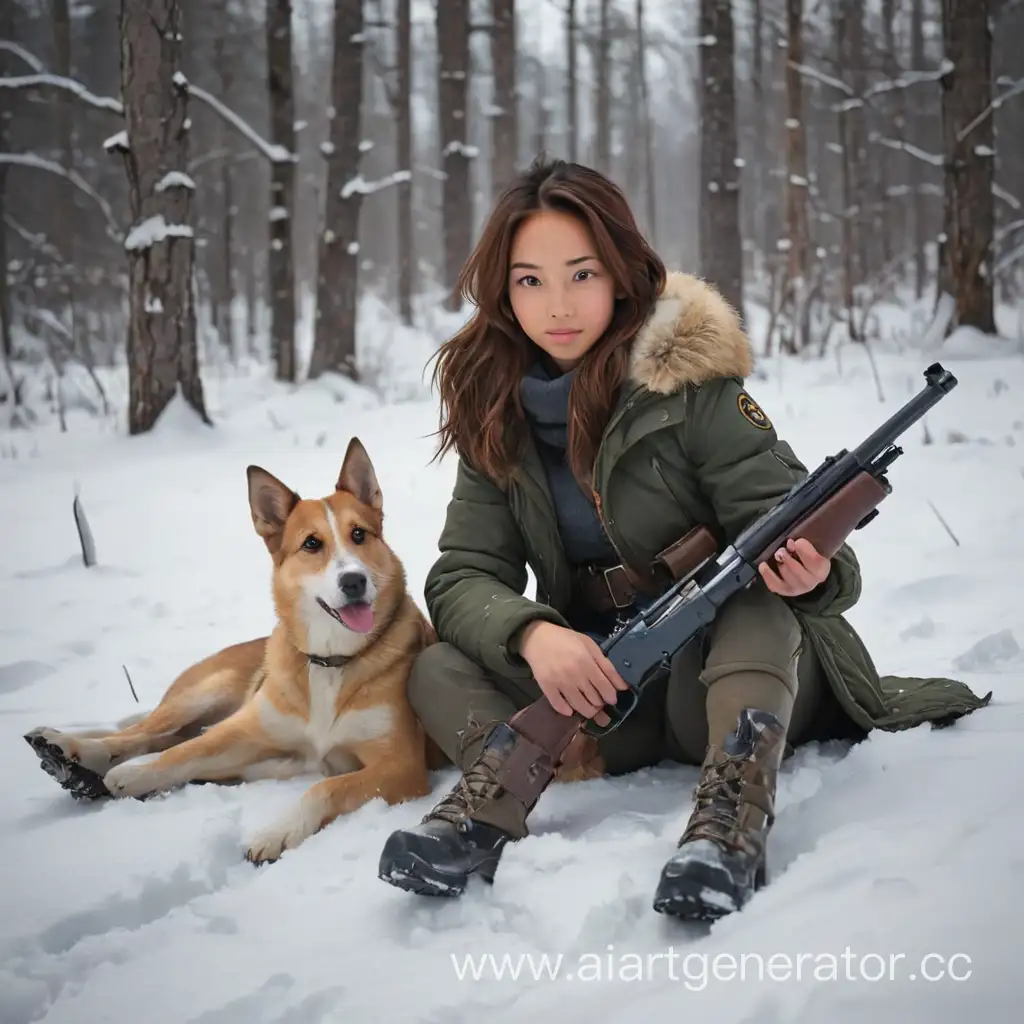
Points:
x=752 y=655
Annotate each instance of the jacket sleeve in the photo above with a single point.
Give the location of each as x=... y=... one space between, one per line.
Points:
x=474 y=591
x=744 y=469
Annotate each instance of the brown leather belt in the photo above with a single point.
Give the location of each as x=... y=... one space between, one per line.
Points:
x=612 y=588
x=604 y=588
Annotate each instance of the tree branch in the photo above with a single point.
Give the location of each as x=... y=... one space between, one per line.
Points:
x=1017 y=89
x=68 y=84
x=935 y=159
x=31 y=160
x=19 y=51
x=275 y=154
x=1011 y=200
x=359 y=184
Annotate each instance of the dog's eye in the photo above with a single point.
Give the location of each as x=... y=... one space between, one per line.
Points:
x=358 y=535
x=312 y=543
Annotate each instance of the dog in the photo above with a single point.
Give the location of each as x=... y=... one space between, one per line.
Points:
x=324 y=694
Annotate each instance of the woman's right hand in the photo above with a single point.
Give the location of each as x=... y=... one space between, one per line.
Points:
x=571 y=670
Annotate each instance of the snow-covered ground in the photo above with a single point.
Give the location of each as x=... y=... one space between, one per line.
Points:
x=907 y=847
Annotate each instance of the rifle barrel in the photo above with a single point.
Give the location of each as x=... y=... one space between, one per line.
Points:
x=939 y=382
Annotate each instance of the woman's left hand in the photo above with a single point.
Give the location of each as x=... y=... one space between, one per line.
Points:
x=797 y=569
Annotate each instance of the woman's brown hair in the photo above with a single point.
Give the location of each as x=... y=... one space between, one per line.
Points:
x=479 y=369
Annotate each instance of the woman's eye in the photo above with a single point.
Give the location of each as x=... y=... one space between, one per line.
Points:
x=312 y=543
x=529 y=278
x=585 y=272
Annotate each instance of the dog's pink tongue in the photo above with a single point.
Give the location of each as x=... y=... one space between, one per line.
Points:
x=357 y=616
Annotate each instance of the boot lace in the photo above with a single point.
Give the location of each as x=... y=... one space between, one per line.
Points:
x=478 y=783
x=717 y=803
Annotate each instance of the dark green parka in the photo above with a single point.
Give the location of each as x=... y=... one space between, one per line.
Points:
x=679 y=450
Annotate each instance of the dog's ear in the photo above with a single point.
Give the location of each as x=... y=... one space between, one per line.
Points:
x=357 y=476
x=270 y=503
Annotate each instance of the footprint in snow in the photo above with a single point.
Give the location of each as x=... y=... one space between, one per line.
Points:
x=989 y=652
x=19 y=674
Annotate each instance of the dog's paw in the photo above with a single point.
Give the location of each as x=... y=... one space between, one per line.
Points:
x=287 y=834
x=89 y=753
x=129 y=780
x=43 y=735
x=81 y=782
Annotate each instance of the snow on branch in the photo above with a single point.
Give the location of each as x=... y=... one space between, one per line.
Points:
x=360 y=185
x=1008 y=229
x=909 y=78
x=1011 y=200
x=36 y=242
x=1007 y=261
x=153 y=230
x=19 y=51
x=37 y=162
x=935 y=159
x=1016 y=90
x=68 y=84
x=809 y=72
x=275 y=154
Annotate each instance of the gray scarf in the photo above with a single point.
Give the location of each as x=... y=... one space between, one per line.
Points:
x=546 y=402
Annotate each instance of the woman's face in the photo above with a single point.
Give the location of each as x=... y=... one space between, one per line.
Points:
x=560 y=292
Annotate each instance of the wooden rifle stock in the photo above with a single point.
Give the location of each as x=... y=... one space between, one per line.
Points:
x=851 y=507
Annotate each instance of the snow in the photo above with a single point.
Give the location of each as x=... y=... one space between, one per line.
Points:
x=469 y=152
x=119 y=140
x=174 y=179
x=359 y=185
x=898 y=858
x=155 y=229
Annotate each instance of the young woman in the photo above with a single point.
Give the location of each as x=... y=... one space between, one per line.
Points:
x=597 y=407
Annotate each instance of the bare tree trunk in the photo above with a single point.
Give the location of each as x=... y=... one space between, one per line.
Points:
x=916 y=180
x=334 y=346
x=542 y=117
x=280 y=260
x=453 y=91
x=226 y=289
x=6 y=62
x=572 y=103
x=403 y=114
x=849 y=42
x=631 y=128
x=221 y=285
x=890 y=216
x=645 y=106
x=64 y=198
x=603 y=105
x=251 y=305
x=505 y=122
x=761 y=149
x=162 y=351
x=721 y=249
x=797 y=184
x=969 y=153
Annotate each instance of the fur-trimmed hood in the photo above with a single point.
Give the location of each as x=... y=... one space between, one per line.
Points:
x=693 y=335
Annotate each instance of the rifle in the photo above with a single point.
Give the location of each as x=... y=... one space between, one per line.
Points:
x=841 y=495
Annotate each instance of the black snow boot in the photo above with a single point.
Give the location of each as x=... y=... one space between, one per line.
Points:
x=720 y=860
x=465 y=833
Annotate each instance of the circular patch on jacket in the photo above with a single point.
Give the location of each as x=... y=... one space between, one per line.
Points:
x=752 y=412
